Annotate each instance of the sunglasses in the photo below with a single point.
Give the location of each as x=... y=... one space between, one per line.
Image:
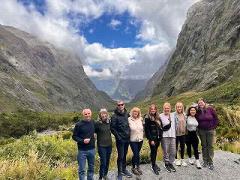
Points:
x=120 y=104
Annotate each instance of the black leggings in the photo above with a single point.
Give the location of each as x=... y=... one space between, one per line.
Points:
x=153 y=153
x=181 y=140
x=192 y=141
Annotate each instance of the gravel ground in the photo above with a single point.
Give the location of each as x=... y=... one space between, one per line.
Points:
x=227 y=166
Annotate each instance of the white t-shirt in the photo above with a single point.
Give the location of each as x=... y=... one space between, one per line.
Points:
x=165 y=121
x=192 y=123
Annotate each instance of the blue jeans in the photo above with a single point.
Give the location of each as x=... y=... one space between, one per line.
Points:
x=88 y=155
x=136 y=147
x=104 y=154
x=122 y=149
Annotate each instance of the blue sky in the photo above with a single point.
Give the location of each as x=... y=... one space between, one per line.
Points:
x=111 y=30
x=113 y=38
x=40 y=5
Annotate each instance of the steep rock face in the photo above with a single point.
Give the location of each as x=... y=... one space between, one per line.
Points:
x=36 y=75
x=208 y=49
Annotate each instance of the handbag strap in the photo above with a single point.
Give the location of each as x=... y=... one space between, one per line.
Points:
x=170 y=119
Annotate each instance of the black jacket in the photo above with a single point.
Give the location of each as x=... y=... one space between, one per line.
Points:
x=119 y=125
x=153 y=130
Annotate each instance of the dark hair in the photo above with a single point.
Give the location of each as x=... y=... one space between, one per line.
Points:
x=189 y=109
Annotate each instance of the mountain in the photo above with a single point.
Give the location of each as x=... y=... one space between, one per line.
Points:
x=124 y=89
x=36 y=75
x=128 y=88
x=147 y=92
x=208 y=49
x=106 y=85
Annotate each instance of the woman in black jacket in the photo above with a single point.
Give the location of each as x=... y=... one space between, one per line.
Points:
x=153 y=132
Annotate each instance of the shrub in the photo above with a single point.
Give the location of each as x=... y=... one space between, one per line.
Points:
x=35 y=167
x=23 y=122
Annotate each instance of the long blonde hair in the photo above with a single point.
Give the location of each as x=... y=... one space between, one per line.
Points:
x=179 y=103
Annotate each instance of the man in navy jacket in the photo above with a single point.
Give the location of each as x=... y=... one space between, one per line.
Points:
x=83 y=134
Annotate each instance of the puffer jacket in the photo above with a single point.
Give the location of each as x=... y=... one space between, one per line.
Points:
x=153 y=130
x=119 y=125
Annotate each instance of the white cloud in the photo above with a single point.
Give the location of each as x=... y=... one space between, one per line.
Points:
x=114 y=23
x=97 y=53
x=161 y=22
x=149 y=59
x=148 y=32
x=104 y=73
x=88 y=8
x=114 y=59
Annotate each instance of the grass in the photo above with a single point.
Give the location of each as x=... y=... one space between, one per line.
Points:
x=34 y=167
x=233 y=147
x=49 y=157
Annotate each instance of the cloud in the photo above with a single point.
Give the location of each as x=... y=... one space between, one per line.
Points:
x=114 y=23
x=149 y=59
x=148 y=32
x=88 y=8
x=102 y=73
x=115 y=59
x=97 y=53
x=46 y=27
x=160 y=21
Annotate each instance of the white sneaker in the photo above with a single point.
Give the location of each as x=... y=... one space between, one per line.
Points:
x=184 y=164
x=198 y=164
x=191 y=161
x=178 y=162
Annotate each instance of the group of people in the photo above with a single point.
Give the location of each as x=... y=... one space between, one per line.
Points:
x=170 y=129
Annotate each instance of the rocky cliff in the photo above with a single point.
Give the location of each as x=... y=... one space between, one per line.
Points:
x=208 y=49
x=36 y=75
